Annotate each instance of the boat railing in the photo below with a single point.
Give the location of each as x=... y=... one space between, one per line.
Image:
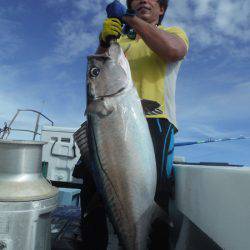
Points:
x=6 y=130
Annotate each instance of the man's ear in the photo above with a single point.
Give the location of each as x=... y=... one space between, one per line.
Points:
x=162 y=9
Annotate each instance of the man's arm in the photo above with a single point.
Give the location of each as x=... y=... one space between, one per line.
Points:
x=168 y=46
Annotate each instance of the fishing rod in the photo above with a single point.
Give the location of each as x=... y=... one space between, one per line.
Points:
x=210 y=140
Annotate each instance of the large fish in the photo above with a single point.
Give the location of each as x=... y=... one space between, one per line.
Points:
x=121 y=144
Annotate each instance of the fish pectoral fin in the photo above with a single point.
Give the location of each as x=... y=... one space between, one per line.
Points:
x=101 y=108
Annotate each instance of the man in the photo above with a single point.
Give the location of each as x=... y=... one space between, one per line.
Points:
x=154 y=54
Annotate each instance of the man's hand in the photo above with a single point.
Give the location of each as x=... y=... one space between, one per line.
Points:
x=116 y=10
x=111 y=27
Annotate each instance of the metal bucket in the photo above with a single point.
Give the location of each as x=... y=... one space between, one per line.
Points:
x=26 y=198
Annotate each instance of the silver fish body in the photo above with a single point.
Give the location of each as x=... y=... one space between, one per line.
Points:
x=122 y=148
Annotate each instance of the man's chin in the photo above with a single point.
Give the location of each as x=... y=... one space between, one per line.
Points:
x=144 y=16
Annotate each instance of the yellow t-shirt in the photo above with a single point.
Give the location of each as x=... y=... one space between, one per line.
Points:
x=154 y=78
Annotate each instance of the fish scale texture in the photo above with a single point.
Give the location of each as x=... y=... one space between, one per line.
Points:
x=126 y=167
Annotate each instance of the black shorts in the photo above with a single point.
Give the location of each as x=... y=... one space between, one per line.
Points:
x=162 y=133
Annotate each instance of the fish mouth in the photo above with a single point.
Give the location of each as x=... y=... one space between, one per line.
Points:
x=96 y=98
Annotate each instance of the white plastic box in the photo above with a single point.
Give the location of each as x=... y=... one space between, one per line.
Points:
x=61 y=152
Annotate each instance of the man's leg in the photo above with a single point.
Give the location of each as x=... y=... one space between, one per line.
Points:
x=95 y=229
x=162 y=133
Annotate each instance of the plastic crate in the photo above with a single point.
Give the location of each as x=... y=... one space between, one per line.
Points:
x=69 y=197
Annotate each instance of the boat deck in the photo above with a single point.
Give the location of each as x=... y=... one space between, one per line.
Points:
x=66 y=230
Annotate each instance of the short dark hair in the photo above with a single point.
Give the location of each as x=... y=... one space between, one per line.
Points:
x=163 y=3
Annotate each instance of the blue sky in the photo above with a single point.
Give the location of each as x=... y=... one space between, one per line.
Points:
x=43 y=52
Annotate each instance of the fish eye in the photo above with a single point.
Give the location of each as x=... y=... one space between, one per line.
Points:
x=94 y=72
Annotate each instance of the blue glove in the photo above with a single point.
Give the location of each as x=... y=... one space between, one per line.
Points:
x=118 y=10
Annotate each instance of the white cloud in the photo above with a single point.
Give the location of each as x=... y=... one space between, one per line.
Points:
x=214 y=112
x=86 y=5
x=219 y=105
x=77 y=32
x=208 y=23
x=213 y=22
x=73 y=39
x=57 y=95
x=72 y=42
x=203 y=8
